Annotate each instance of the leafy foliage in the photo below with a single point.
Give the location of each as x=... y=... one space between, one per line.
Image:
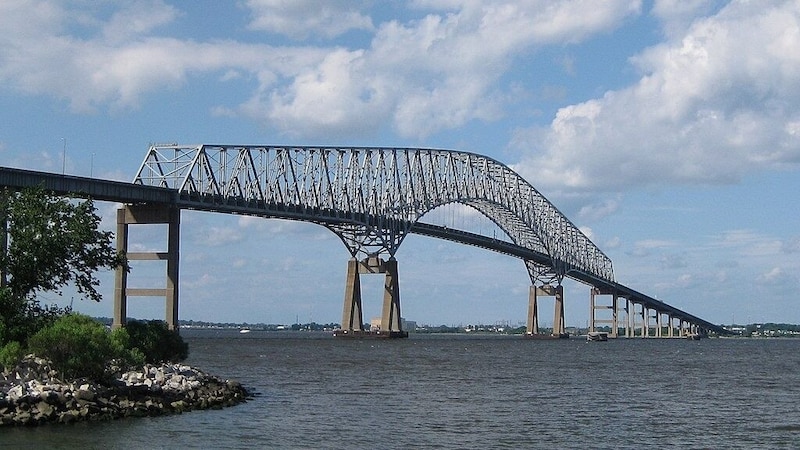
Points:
x=52 y=242
x=156 y=341
x=10 y=354
x=78 y=346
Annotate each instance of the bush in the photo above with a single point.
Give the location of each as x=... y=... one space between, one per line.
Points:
x=156 y=341
x=10 y=355
x=78 y=346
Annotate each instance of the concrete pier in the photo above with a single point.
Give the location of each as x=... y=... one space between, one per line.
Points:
x=352 y=319
x=559 y=327
x=148 y=214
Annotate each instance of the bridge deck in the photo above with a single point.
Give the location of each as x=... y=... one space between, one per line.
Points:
x=125 y=192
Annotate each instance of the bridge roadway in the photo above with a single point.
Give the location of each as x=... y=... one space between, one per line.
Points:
x=129 y=193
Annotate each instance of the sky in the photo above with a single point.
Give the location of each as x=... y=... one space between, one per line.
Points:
x=667 y=130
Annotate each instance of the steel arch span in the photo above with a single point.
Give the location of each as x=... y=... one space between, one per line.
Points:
x=372 y=197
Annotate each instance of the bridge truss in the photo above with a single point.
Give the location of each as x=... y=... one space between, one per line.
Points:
x=372 y=197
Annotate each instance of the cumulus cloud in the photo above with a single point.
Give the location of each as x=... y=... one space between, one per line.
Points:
x=710 y=106
x=678 y=15
x=118 y=60
x=434 y=72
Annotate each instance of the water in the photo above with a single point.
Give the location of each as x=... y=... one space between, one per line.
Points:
x=314 y=391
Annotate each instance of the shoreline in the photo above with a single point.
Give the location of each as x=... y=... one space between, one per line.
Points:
x=31 y=394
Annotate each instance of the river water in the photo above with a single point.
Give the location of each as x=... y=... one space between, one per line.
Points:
x=461 y=391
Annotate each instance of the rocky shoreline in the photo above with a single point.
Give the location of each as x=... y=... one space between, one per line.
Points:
x=32 y=394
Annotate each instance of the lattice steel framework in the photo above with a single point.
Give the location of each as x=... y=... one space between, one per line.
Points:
x=372 y=197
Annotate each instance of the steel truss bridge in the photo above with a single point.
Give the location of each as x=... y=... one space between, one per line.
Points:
x=371 y=198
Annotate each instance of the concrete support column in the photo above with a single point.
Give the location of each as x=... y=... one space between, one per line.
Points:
x=559 y=326
x=390 y=319
x=533 y=311
x=121 y=274
x=173 y=252
x=352 y=319
x=629 y=318
x=613 y=321
x=658 y=323
x=148 y=214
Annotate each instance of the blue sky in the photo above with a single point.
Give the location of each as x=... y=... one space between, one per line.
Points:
x=669 y=131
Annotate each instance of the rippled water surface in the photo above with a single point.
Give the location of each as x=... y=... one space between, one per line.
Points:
x=313 y=391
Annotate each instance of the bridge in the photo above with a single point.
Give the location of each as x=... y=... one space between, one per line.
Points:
x=371 y=198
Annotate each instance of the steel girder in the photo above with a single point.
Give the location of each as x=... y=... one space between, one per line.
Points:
x=371 y=197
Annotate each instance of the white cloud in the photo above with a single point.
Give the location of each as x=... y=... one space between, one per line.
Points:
x=613 y=243
x=136 y=19
x=599 y=210
x=773 y=276
x=678 y=15
x=299 y=19
x=708 y=108
x=104 y=64
x=792 y=245
x=419 y=77
x=648 y=246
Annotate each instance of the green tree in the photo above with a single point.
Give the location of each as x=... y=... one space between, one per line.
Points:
x=50 y=242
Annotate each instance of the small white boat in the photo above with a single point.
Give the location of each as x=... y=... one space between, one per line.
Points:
x=244 y=330
x=597 y=336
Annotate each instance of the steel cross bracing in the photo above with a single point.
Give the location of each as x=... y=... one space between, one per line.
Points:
x=372 y=197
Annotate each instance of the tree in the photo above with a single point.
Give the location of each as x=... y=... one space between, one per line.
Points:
x=50 y=242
